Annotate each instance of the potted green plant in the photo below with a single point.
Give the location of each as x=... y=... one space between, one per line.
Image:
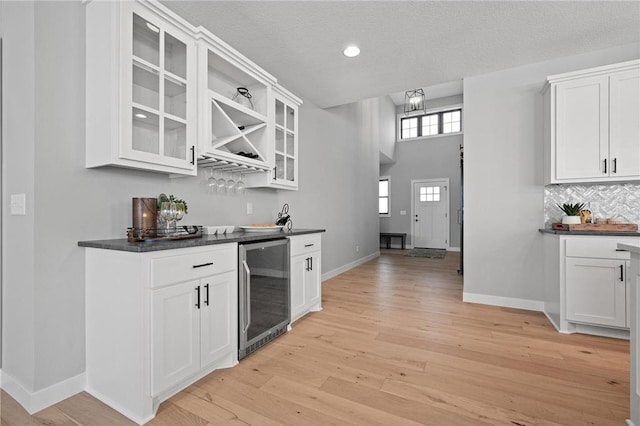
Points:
x=572 y=213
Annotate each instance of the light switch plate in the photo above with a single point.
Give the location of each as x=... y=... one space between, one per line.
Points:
x=249 y=208
x=18 y=204
x=403 y=212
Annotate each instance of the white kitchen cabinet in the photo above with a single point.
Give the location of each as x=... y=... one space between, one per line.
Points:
x=591 y=129
x=283 y=153
x=235 y=111
x=306 y=274
x=586 y=286
x=140 y=88
x=194 y=324
x=157 y=322
x=596 y=291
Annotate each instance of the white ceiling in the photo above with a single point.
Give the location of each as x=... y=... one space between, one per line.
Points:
x=406 y=44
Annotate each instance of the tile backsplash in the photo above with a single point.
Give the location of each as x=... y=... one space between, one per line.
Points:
x=604 y=200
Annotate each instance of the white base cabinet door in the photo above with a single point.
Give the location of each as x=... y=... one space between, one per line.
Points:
x=306 y=274
x=219 y=317
x=596 y=291
x=176 y=334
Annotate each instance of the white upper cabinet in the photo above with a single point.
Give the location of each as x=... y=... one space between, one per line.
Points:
x=141 y=88
x=235 y=115
x=283 y=155
x=592 y=125
x=624 y=123
x=165 y=96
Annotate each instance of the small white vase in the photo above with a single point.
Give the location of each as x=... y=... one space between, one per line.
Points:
x=571 y=220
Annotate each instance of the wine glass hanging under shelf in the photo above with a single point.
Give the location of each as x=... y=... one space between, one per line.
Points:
x=230 y=166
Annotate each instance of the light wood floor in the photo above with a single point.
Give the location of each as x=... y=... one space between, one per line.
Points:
x=395 y=345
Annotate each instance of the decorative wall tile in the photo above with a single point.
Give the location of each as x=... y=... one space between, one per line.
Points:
x=604 y=201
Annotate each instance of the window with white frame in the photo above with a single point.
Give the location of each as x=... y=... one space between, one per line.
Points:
x=384 y=198
x=431 y=124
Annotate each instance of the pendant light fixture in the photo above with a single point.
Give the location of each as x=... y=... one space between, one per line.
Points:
x=414 y=101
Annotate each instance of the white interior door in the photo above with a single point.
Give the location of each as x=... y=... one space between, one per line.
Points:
x=431 y=213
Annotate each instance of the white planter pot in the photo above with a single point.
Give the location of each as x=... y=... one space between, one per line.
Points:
x=571 y=220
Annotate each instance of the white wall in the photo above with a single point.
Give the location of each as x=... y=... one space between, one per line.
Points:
x=387 y=129
x=503 y=174
x=430 y=158
x=43 y=156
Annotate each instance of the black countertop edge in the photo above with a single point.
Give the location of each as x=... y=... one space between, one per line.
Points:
x=122 y=244
x=591 y=233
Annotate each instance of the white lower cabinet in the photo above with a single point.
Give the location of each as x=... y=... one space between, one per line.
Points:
x=596 y=291
x=306 y=274
x=157 y=322
x=586 y=284
x=193 y=326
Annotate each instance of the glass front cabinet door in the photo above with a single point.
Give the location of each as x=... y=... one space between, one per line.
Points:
x=151 y=64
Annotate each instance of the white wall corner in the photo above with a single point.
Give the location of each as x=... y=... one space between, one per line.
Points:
x=344 y=268
x=505 y=302
x=33 y=402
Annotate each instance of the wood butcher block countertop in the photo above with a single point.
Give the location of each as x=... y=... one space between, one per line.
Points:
x=121 y=244
x=591 y=233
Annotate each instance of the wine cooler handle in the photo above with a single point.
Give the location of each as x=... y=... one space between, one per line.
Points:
x=247 y=295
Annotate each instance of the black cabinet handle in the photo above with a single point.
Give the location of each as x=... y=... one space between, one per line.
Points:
x=198 y=297
x=622 y=273
x=275 y=172
x=202 y=265
x=621 y=250
x=308 y=245
x=193 y=154
x=605 y=165
x=311 y=259
x=206 y=294
x=615 y=165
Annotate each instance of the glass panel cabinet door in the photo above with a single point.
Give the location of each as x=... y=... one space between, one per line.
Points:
x=286 y=162
x=162 y=83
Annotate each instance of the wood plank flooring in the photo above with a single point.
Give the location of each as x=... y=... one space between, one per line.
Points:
x=395 y=345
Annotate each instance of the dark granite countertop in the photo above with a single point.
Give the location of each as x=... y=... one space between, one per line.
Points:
x=591 y=233
x=121 y=244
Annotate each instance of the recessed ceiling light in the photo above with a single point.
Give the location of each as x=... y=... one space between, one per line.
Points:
x=153 y=28
x=139 y=115
x=351 y=51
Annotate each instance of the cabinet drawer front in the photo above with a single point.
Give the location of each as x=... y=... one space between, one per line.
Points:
x=303 y=244
x=178 y=268
x=602 y=247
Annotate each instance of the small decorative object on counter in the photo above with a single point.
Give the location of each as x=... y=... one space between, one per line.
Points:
x=170 y=210
x=243 y=97
x=572 y=212
x=145 y=216
x=284 y=219
x=180 y=233
x=585 y=216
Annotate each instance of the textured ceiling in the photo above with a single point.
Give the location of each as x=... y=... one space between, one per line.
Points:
x=406 y=44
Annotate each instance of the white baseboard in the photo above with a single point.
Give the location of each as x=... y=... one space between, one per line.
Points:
x=505 y=302
x=39 y=400
x=456 y=249
x=351 y=265
x=629 y=422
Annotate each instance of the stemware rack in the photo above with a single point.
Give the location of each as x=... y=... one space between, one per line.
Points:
x=230 y=166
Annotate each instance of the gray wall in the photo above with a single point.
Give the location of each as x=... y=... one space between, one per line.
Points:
x=387 y=130
x=431 y=158
x=503 y=174
x=43 y=156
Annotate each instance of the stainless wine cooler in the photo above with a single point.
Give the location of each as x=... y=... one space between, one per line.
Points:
x=263 y=297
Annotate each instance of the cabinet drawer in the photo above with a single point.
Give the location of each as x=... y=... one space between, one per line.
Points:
x=178 y=268
x=603 y=248
x=303 y=244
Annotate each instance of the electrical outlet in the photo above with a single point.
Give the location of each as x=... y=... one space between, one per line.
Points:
x=403 y=212
x=249 y=207
x=18 y=204
x=357 y=249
